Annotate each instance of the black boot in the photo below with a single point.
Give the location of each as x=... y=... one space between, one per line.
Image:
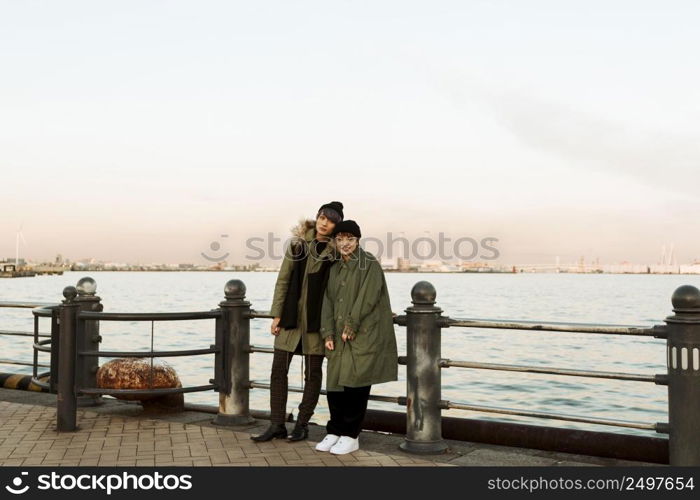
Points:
x=272 y=432
x=300 y=432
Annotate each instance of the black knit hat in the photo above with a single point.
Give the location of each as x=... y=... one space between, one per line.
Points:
x=332 y=210
x=347 y=226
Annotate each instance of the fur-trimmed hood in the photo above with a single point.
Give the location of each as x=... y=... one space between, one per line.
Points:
x=302 y=228
x=306 y=230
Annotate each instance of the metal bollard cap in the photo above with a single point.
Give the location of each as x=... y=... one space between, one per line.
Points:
x=86 y=286
x=70 y=293
x=423 y=293
x=686 y=298
x=235 y=289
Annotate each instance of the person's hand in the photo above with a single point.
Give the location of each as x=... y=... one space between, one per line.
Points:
x=348 y=334
x=330 y=345
x=274 y=327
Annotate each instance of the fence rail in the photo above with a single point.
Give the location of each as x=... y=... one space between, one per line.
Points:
x=173 y=316
x=24 y=304
x=553 y=416
x=39 y=346
x=22 y=363
x=23 y=334
x=655 y=331
x=373 y=397
x=655 y=379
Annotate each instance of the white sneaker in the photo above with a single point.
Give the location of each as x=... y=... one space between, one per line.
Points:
x=346 y=445
x=327 y=442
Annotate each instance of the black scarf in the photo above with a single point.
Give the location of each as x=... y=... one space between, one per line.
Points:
x=316 y=286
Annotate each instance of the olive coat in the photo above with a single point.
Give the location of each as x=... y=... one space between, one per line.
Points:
x=288 y=339
x=357 y=296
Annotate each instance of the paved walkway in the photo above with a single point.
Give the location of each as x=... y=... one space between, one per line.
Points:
x=121 y=433
x=27 y=437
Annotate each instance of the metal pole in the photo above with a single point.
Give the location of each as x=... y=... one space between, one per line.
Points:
x=55 y=350
x=66 y=401
x=234 y=397
x=88 y=339
x=683 y=361
x=423 y=384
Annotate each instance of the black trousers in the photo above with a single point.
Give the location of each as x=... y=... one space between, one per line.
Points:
x=279 y=385
x=348 y=408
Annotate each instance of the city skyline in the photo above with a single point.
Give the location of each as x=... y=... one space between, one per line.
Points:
x=392 y=260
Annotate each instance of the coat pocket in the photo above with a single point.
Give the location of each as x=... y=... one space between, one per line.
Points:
x=365 y=342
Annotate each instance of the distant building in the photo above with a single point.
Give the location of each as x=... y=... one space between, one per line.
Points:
x=474 y=266
x=694 y=268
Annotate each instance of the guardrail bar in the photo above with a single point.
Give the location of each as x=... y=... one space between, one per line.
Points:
x=23 y=334
x=552 y=416
x=174 y=316
x=556 y=327
x=372 y=397
x=148 y=354
x=448 y=363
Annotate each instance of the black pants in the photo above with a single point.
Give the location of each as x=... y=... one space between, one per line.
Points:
x=348 y=408
x=313 y=377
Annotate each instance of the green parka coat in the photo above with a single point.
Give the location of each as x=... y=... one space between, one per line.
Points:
x=288 y=339
x=357 y=296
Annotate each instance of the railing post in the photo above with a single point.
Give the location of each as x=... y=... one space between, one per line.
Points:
x=88 y=339
x=66 y=401
x=55 y=349
x=683 y=361
x=234 y=408
x=423 y=380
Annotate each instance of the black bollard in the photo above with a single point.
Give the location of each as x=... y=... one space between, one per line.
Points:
x=88 y=339
x=66 y=401
x=683 y=360
x=234 y=402
x=423 y=379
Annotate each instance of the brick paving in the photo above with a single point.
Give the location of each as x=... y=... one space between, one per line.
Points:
x=28 y=438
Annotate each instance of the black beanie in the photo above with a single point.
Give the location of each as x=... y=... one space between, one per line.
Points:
x=348 y=226
x=333 y=206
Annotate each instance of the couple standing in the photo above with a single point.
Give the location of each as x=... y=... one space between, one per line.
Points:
x=330 y=299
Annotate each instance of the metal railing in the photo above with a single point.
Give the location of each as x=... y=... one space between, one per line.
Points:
x=659 y=379
x=38 y=345
x=78 y=351
x=424 y=322
x=557 y=327
x=81 y=313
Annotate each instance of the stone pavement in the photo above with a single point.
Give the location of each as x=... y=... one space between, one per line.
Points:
x=27 y=437
x=121 y=434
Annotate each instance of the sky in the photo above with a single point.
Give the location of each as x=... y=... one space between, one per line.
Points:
x=144 y=131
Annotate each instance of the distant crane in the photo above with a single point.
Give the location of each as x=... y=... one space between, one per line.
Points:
x=668 y=259
x=24 y=242
x=672 y=256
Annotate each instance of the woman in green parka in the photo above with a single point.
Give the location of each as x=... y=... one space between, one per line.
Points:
x=358 y=327
x=296 y=309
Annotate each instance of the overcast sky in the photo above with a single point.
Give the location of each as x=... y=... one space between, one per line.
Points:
x=144 y=130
